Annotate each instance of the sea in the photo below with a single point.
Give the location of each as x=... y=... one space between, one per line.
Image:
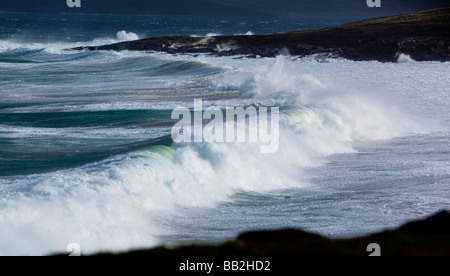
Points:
x=87 y=156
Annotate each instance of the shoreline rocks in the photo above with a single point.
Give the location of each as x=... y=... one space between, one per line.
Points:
x=425 y=36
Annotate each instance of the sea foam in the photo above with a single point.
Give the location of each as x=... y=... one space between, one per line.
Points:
x=60 y=47
x=125 y=201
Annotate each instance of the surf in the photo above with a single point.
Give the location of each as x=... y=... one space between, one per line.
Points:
x=118 y=201
x=86 y=154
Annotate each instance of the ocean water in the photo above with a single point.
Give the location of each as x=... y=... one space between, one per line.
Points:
x=86 y=154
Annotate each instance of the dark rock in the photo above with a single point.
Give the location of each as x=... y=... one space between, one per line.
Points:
x=425 y=36
x=277 y=236
x=437 y=224
x=428 y=237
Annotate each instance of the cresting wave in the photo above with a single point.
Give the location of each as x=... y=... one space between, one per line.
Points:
x=116 y=204
x=14 y=47
x=123 y=201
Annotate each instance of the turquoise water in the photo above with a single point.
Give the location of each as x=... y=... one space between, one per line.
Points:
x=86 y=154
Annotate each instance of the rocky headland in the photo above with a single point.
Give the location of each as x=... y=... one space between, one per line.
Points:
x=425 y=36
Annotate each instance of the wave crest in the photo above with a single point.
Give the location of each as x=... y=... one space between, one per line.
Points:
x=58 y=47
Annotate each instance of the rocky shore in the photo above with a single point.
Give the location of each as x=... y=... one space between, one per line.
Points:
x=427 y=237
x=425 y=36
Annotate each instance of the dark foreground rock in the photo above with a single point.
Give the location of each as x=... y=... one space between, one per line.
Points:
x=425 y=36
x=428 y=237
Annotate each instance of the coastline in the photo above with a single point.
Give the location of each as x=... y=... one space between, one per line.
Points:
x=424 y=36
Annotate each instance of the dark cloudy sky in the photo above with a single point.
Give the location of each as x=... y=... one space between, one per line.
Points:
x=292 y=8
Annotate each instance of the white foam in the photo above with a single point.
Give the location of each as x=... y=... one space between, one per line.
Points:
x=212 y=34
x=402 y=58
x=117 y=205
x=59 y=47
x=125 y=202
x=126 y=36
x=247 y=33
x=355 y=114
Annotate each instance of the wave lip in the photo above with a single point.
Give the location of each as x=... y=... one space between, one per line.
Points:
x=58 y=47
x=119 y=202
x=403 y=58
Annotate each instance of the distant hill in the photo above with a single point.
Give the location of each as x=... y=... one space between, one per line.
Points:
x=292 y=8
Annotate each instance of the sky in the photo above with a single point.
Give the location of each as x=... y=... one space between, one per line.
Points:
x=283 y=8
